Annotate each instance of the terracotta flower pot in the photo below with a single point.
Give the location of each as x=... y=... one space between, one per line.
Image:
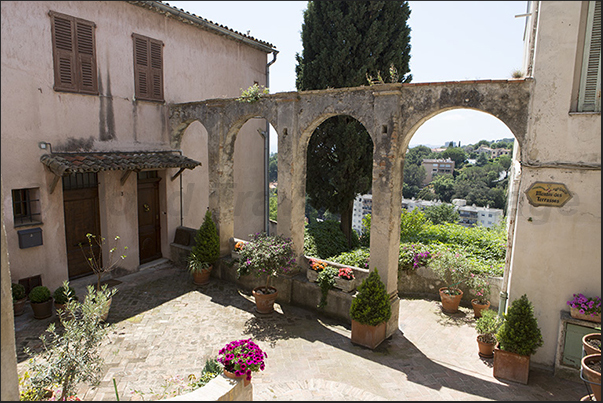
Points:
x=42 y=310
x=19 y=306
x=588 y=349
x=232 y=375
x=202 y=277
x=478 y=308
x=511 y=366
x=591 y=376
x=450 y=303
x=486 y=350
x=264 y=303
x=367 y=335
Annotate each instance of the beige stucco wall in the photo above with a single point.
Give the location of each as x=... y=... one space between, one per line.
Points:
x=557 y=251
x=198 y=64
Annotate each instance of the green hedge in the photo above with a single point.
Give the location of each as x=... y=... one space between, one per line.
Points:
x=325 y=239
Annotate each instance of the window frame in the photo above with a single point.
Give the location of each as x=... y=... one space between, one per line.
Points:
x=26 y=206
x=148 y=68
x=75 y=69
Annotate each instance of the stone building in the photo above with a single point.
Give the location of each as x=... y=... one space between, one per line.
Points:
x=85 y=130
x=434 y=167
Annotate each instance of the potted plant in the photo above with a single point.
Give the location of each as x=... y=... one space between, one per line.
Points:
x=205 y=251
x=585 y=308
x=486 y=326
x=326 y=281
x=592 y=343
x=241 y=358
x=94 y=257
x=41 y=302
x=266 y=255
x=480 y=289
x=62 y=295
x=370 y=311
x=451 y=268
x=345 y=279
x=591 y=370
x=518 y=337
x=19 y=298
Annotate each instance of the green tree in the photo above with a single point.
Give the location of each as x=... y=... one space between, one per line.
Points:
x=482 y=160
x=414 y=175
x=416 y=155
x=443 y=186
x=441 y=213
x=456 y=154
x=343 y=44
x=273 y=167
x=412 y=224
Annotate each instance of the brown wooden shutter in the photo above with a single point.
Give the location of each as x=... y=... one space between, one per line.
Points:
x=74 y=52
x=148 y=68
x=86 y=57
x=63 y=43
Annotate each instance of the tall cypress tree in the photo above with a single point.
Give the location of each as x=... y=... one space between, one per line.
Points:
x=344 y=42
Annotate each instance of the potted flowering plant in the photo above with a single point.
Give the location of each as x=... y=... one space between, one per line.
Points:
x=452 y=269
x=266 y=256
x=585 y=308
x=486 y=327
x=480 y=289
x=240 y=358
x=345 y=280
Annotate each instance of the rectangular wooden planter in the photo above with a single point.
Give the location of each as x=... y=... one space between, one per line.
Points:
x=366 y=335
x=340 y=283
x=511 y=366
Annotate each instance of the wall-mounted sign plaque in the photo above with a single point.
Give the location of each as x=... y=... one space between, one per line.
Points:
x=548 y=194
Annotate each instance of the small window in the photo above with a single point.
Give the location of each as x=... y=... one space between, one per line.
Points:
x=74 y=53
x=148 y=68
x=26 y=207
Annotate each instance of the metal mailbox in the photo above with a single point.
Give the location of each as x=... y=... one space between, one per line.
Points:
x=28 y=238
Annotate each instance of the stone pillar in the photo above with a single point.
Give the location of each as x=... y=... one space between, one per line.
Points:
x=291 y=178
x=10 y=381
x=385 y=216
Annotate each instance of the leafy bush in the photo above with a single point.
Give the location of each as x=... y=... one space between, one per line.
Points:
x=487 y=325
x=519 y=332
x=325 y=239
x=452 y=268
x=412 y=223
x=207 y=246
x=18 y=291
x=253 y=93
x=371 y=305
x=63 y=294
x=326 y=281
x=39 y=294
x=413 y=255
x=266 y=255
x=358 y=257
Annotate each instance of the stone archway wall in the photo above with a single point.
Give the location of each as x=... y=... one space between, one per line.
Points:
x=391 y=113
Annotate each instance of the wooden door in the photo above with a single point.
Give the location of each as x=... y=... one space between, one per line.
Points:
x=81 y=217
x=149 y=236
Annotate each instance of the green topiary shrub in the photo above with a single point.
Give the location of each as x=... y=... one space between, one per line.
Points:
x=519 y=332
x=61 y=295
x=40 y=294
x=18 y=291
x=371 y=305
x=207 y=248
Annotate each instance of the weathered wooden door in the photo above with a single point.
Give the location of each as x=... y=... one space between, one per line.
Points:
x=80 y=206
x=149 y=236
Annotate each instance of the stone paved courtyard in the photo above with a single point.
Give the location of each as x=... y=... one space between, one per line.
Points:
x=164 y=326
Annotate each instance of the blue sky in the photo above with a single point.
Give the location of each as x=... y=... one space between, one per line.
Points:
x=450 y=41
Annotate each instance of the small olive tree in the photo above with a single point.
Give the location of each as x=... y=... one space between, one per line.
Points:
x=70 y=354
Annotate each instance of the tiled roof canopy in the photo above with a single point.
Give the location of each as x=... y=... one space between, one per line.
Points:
x=62 y=164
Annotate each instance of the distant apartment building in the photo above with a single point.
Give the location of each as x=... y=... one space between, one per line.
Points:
x=436 y=167
x=470 y=216
x=493 y=152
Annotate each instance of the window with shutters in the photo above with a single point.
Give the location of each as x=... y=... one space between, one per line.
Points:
x=74 y=52
x=589 y=95
x=148 y=68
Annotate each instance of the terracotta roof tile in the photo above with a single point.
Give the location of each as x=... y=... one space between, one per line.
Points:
x=63 y=164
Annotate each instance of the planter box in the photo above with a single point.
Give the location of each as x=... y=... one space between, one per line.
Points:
x=511 y=366
x=366 y=335
x=340 y=283
x=575 y=313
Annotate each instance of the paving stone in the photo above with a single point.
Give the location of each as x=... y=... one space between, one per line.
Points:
x=163 y=326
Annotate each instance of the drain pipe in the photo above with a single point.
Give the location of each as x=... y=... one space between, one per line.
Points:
x=512 y=214
x=267 y=155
